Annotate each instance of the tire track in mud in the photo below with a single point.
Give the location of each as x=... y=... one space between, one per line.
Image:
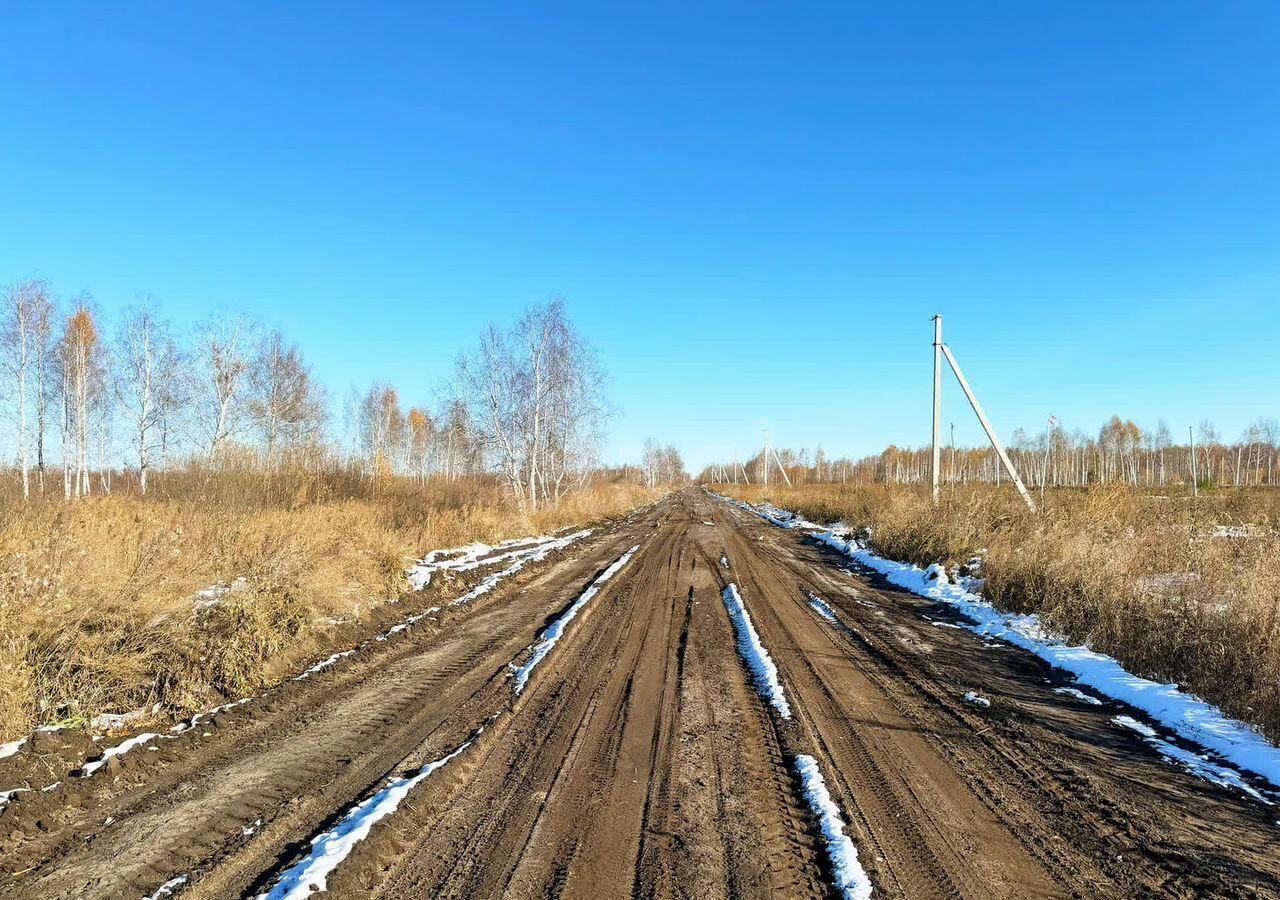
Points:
x=273 y=772
x=1055 y=777
x=574 y=797
x=882 y=769
x=640 y=762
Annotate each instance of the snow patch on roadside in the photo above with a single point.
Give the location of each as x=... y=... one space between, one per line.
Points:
x=763 y=672
x=118 y=750
x=311 y=873
x=1184 y=714
x=551 y=634
x=168 y=889
x=1198 y=765
x=473 y=556
x=207 y=714
x=6 y=796
x=205 y=598
x=1079 y=695
x=322 y=665
x=850 y=878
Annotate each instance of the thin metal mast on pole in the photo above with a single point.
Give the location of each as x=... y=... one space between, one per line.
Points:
x=952 y=477
x=1195 y=481
x=986 y=426
x=937 y=400
x=766 y=457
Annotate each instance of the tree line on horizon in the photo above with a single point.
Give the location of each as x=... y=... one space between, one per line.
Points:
x=1121 y=452
x=88 y=403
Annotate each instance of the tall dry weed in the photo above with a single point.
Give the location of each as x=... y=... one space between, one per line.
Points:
x=105 y=604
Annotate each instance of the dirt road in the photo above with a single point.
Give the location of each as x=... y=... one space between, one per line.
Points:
x=640 y=760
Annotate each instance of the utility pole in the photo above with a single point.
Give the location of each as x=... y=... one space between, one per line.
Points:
x=937 y=399
x=766 y=457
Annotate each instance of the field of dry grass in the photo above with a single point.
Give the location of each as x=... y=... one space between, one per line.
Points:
x=1149 y=578
x=100 y=600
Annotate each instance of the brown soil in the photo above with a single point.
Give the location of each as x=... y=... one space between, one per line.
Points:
x=640 y=761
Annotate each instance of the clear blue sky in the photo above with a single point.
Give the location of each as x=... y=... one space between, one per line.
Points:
x=751 y=208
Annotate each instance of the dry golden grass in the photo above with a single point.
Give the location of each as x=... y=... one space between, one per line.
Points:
x=1138 y=575
x=99 y=605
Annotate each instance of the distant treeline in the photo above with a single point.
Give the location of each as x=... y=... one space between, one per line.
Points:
x=1120 y=452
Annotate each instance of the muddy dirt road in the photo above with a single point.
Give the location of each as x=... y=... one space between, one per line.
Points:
x=639 y=759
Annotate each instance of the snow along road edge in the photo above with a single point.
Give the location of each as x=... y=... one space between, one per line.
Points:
x=1185 y=714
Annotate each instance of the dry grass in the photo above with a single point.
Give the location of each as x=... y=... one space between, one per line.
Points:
x=1138 y=575
x=98 y=599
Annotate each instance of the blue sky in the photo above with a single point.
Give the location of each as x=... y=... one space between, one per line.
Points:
x=751 y=209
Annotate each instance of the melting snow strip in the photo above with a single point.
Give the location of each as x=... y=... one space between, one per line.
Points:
x=311 y=873
x=168 y=889
x=12 y=747
x=473 y=556
x=551 y=634
x=1196 y=764
x=1184 y=714
x=1079 y=695
x=322 y=665
x=208 y=714
x=6 y=796
x=763 y=672
x=850 y=878
x=821 y=606
x=118 y=750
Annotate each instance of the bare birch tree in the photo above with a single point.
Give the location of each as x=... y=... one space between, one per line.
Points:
x=148 y=384
x=43 y=358
x=286 y=406
x=17 y=343
x=223 y=363
x=82 y=383
x=535 y=395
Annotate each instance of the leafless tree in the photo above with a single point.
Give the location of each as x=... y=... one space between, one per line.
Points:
x=83 y=376
x=148 y=382
x=43 y=357
x=535 y=395
x=382 y=429
x=24 y=302
x=223 y=364
x=286 y=406
x=662 y=465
